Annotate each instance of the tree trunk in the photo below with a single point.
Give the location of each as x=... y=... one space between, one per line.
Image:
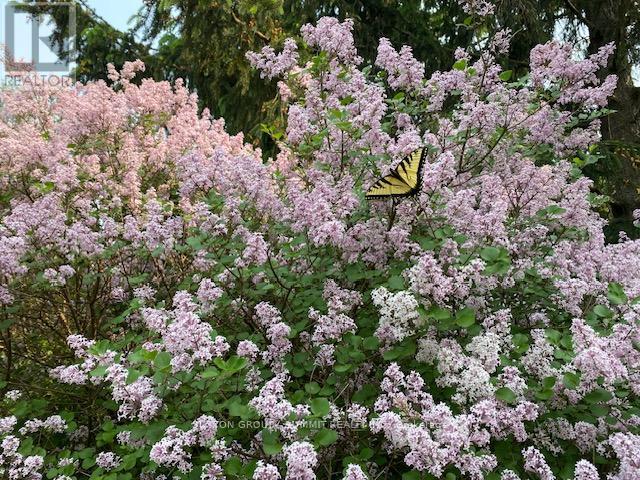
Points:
x=608 y=21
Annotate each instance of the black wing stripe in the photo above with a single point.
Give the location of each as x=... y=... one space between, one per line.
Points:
x=397 y=176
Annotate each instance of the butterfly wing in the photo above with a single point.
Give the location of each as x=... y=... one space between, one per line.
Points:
x=388 y=186
x=403 y=181
x=410 y=169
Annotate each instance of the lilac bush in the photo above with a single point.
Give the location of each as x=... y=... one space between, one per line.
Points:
x=225 y=317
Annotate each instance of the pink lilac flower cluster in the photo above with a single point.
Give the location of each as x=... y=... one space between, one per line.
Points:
x=266 y=471
x=278 y=412
x=13 y=395
x=272 y=64
x=184 y=335
x=354 y=472
x=404 y=70
x=126 y=204
x=398 y=315
x=432 y=436
x=553 y=62
x=276 y=332
x=585 y=471
x=7 y=424
x=336 y=322
x=17 y=466
x=627 y=448
x=481 y=8
x=174 y=449
x=54 y=423
x=534 y=462
x=247 y=349
x=301 y=459
x=136 y=399
x=333 y=37
x=107 y=460
x=58 y=277
x=208 y=293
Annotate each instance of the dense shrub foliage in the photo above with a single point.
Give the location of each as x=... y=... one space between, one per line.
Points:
x=174 y=307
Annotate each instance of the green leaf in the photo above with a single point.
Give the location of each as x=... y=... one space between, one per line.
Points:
x=235 y=364
x=602 y=311
x=320 y=406
x=465 y=317
x=327 y=390
x=163 y=361
x=571 y=380
x=544 y=394
x=367 y=393
x=598 y=396
x=132 y=376
x=300 y=371
x=233 y=466
x=521 y=342
x=506 y=395
x=395 y=282
x=312 y=388
x=347 y=100
x=616 y=294
x=195 y=243
x=99 y=371
x=357 y=356
x=554 y=336
x=270 y=442
x=622 y=393
x=5 y=324
x=506 y=75
x=326 y=437
x=439 y=314
x=460 y=64
x=238 y=409
x=391 y=354
x=210 y=372
x=354 y=272
x=366 y=453
x=599 y=410
x=138 y=279
x=412 y=475
x=490 y=254
x=403 y=350
x=371 y=343
x=551 y=210
x=86 y=453
x=342 y=368
x=128 y=462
